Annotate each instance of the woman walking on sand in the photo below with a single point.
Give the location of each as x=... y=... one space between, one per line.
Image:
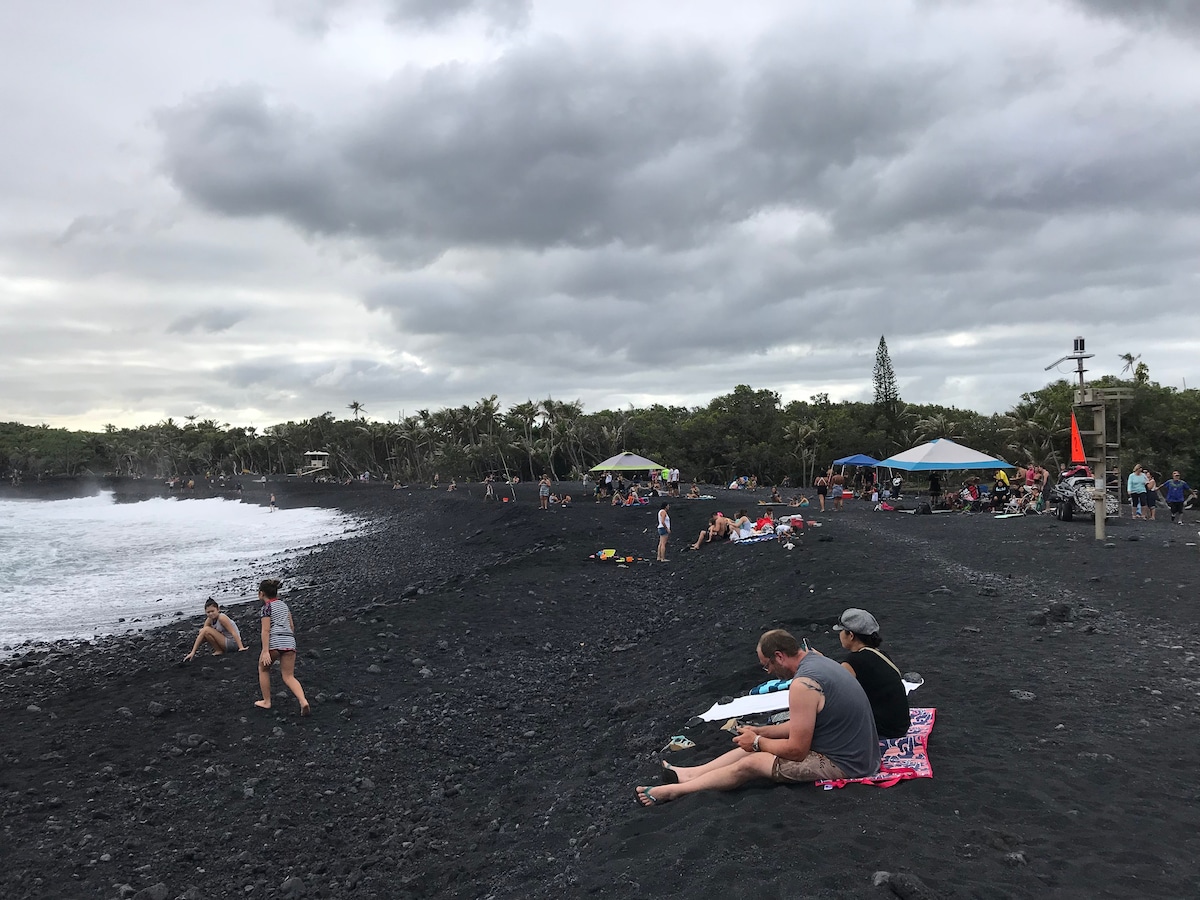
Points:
x=278 y=643
x=664 y=530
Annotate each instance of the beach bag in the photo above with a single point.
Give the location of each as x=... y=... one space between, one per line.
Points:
x=924 y=509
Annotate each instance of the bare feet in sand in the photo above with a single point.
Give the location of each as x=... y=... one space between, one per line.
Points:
x=305 y=709
x=263 y=704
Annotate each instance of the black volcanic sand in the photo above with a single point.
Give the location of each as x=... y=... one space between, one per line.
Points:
x=485 y=698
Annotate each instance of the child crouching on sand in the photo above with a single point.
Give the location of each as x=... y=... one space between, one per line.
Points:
x=278 y=643
x=218 y=630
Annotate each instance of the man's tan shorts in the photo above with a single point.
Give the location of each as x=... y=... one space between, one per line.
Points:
x=813 y=767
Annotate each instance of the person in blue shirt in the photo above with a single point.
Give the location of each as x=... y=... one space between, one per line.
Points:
x=1177 y=491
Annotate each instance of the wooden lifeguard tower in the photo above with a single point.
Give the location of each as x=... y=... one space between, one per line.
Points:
x=315 y=462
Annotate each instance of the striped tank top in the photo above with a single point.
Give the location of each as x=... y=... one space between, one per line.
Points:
x=281 y=636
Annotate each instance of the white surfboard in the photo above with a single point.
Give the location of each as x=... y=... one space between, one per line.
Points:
x=756 y=704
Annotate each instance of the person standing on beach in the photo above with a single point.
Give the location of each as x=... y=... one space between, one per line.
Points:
x=544 y=492
x=1150 y=498
x=664 y=530
x=830 y=733
x=272 y=509
x=1177 y=492
x=218 y=630
x=1135 y=484
x=836 y=490
x=822 y=485
x=278 y=643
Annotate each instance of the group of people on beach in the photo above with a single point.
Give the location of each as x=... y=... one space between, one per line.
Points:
x=837 y=714
x=1143 y=489
x=278 y=633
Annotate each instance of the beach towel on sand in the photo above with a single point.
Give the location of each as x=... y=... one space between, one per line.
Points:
x=899 y=758
x=753 y=538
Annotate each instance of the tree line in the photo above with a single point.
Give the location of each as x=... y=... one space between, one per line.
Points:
x=745 y=432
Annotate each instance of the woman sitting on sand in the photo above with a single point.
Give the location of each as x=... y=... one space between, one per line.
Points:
x=694 y=492
x=858 y=631
x=218 y=630
x=741 y=520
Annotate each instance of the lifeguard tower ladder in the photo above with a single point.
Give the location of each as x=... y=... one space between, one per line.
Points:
x=1104 y=456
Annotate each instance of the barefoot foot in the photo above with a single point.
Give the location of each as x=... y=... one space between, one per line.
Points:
x=305 y=709
x=263 y=704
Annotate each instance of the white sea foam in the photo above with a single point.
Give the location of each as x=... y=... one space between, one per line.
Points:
x=75 y=568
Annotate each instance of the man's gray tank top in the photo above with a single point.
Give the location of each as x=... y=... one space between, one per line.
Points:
x=845 y=729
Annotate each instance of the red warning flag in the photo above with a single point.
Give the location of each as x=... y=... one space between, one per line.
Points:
x=1077 y=454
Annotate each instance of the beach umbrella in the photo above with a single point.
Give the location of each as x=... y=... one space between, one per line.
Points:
x=626 y=462
x=943 y=454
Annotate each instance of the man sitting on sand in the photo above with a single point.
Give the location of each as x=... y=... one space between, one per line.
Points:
x=830 y=734
x=717 y=530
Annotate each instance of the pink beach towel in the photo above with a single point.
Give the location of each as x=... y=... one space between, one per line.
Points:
x=900 y=758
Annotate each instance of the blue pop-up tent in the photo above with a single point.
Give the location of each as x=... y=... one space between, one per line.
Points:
x=858 y=459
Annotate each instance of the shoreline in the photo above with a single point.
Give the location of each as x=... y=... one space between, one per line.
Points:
x=485 y=697
x=229 y=591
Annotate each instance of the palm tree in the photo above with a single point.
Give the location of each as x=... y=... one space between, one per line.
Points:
x=357 y=408
x=1130 y=361
x=805 y=438
x=938 y=425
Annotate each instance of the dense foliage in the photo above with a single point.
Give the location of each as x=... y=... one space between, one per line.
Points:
x=745 y=432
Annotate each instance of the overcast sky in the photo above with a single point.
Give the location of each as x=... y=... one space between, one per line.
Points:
x=259 y=210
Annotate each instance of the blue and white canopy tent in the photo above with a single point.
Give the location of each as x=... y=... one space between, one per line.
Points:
x=941 y=455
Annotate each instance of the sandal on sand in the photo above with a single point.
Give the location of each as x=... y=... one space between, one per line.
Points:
x=669 y=775
x=645 y=792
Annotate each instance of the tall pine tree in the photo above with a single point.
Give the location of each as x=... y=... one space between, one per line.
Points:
x=887 y=398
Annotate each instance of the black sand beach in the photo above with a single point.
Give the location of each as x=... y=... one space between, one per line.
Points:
x=485 y=698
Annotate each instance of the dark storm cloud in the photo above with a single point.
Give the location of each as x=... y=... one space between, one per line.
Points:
x=210 y=321
x=552 y=146
x=545 y=148
x=1182 y=14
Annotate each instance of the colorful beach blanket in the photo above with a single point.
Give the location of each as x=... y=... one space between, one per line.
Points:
x=900 y=758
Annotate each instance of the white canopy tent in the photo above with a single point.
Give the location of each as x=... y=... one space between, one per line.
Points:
x=943 y=454
x=627 y=462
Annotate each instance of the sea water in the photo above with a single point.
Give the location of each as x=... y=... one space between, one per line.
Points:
x=77 y=568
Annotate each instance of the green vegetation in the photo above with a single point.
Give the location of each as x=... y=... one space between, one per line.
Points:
x=745 y=432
